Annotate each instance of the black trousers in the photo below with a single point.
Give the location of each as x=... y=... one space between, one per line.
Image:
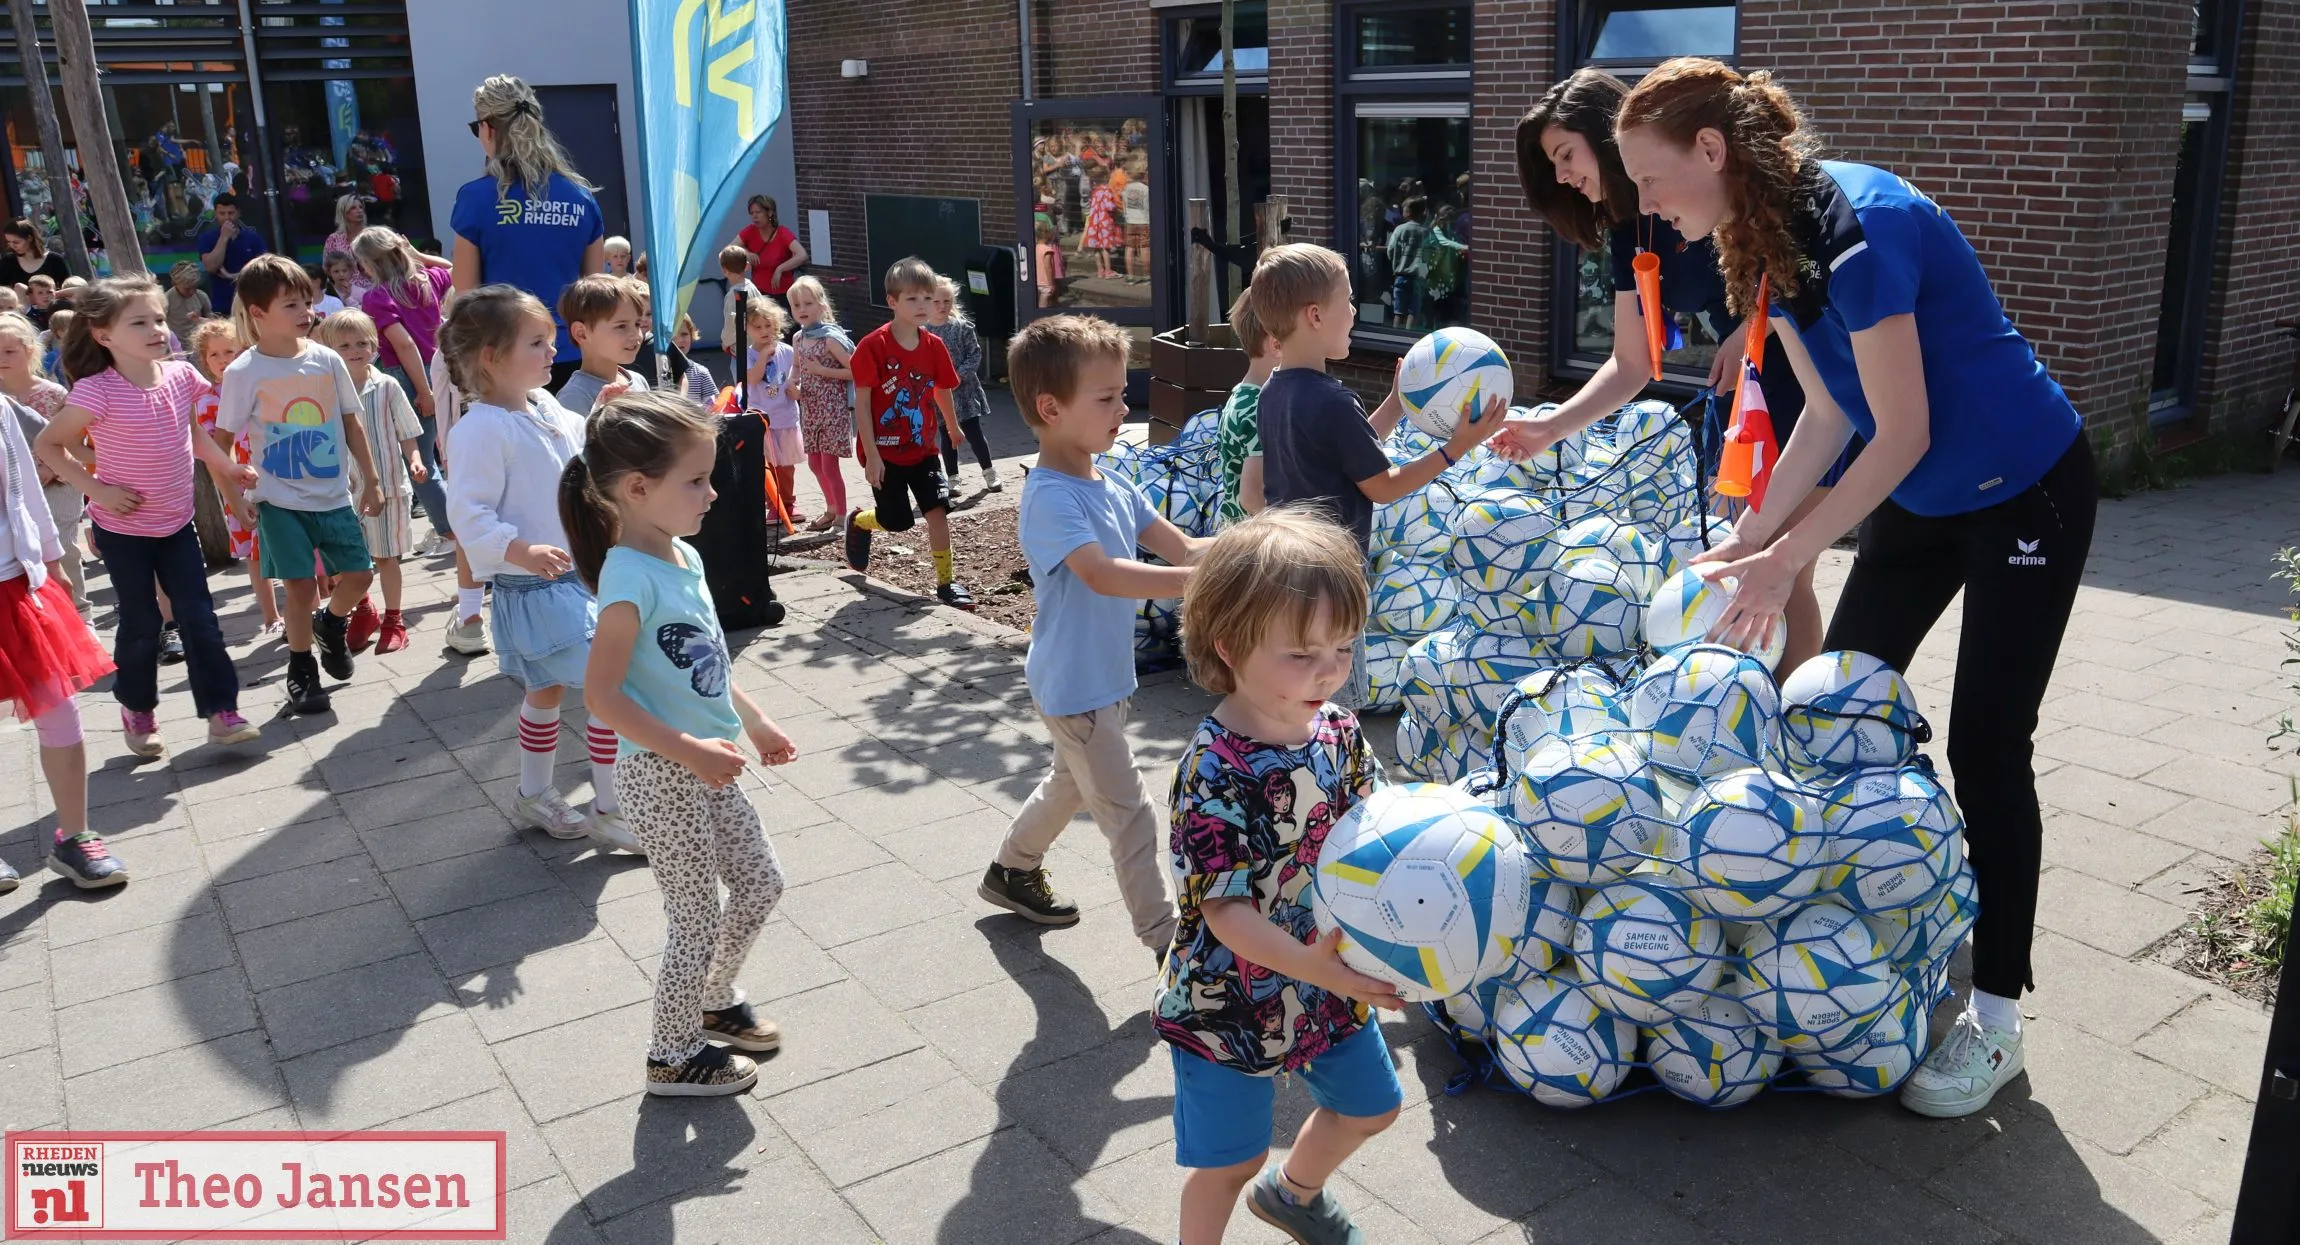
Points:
x=2019 y=563
x=973 y=430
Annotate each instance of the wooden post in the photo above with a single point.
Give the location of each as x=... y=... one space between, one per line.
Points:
x=1235 y=195
x=99 y=163
x=1200 y=286
x=51 y=139
x=1273 y=211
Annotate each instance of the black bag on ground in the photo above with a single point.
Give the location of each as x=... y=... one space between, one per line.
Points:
x=733 y=538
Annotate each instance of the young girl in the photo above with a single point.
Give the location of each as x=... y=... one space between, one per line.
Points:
x=1048 y=264
x=393 y=439
x=1269 y=622
x=405 y=301
x=47 y=655
x=337 y=271
x=21 y=379
x=825 y=394
x=698 y=384
x=770 y=364
x=1102 y=236
x=658 y=675
x=213 y=345
x=949 y=322
x=509 y=448
x=137 y=406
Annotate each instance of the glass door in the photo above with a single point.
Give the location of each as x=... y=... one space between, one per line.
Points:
x=1093 y=230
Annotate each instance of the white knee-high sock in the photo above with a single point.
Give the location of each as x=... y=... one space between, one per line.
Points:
x=601 y=742
x=469 y=603
x=538 y=747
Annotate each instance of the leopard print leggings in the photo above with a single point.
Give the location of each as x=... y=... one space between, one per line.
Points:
x=697 y=838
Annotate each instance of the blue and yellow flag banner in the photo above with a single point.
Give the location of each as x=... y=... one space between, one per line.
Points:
x=710 y=78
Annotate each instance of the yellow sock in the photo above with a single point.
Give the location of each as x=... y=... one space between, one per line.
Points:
x=944 y=572
x=867 y=520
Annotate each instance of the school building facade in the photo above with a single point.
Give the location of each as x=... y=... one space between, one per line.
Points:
x=2121 y=165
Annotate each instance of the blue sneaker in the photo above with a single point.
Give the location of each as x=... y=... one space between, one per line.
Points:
x=87 y=862
x=1320 y=1221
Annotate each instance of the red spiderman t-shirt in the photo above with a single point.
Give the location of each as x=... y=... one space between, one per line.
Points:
x=901 y=385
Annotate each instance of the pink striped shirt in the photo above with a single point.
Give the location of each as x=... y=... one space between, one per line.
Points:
x=143 y=442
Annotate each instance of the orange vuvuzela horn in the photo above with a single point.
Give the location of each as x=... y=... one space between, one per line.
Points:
x=1647 y=267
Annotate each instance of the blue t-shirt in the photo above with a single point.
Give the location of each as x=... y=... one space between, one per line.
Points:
x=679 y=669
x=246 y=245
x=1082 y=645
x=1874 y=246
x=1317 y=445
x=533 y=242
x=1692 y=286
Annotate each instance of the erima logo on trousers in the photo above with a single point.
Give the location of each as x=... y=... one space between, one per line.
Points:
x=2028 y=555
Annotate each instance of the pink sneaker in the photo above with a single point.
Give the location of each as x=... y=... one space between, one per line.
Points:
x=143 y=733
x=229 y=727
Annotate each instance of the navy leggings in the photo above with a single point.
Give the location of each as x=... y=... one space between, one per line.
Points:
x=973 y=430
x=135 y=563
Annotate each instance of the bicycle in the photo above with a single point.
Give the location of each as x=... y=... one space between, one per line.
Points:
x=2280 y=436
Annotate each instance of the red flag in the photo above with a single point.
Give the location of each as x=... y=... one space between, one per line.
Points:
x=1753 y=425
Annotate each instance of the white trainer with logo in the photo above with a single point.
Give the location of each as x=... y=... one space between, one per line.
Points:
x=1973 y=1062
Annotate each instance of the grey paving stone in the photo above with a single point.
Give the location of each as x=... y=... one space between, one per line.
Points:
x=1623 y=1210
x=1003 y=1189
x=315 y=946
x=831 y=1030
x=31 y=1088
x=635 y=1151
x=1436 y=1166
x=581 y=1064
x=901 y=804
x=78 y=916
x=825 y=769
x=885 y=1115
x=2203 y=1150
x=2252 y=788
x=280 y=848
x=386 y=1076
x=219 y=812
x=857 y=905
x=410 y=799
x=133 y=960
x=2107 y=996
x=788 y=1193
x=284 y=763
x=464 y=730
x=933 y=960
x=294 y=893
x=1009 y=1027
x=2207 y=825
x=2065 y=1189
x=197 y=1087
x=1147 y=1186
x=460 y=832
x=2220 y=1039
x=27 y=1021
x=2066 y=1070
x=954 y=847
x=2116 y=920
x=395 y=727
x=995 y=754
x=156 y=852
x=1098 y=1107
x=1835 y=1194
x=826 y=851
x=131 y=1025
x=783 y=962
x=508 y=930
x=636 y=924
x=527 y=1158
x=461 y=882
x=2104 y=797
x=378 y=998
x=2111 y=853
x=1101 y=949
x=551 y=988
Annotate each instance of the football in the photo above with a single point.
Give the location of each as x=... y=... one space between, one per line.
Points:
x=1752 y=846
x=1712 y=1053
x=1707 y=709
x=1845 y=710
x=1815 y=978
x=1588 y=809
x=1553 y=1041
x=1557 y=704
x=1449 y=371
x=1646 y=953
x=1895 y=839
x=1428 y=886
x=1686 y=606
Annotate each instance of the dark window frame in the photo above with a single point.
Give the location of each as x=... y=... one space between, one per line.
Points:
x=2211 y=88
x=1250 y=81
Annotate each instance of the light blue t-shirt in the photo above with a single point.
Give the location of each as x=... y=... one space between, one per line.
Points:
x=679 y=669
x=532 y=241
x=1082 y=646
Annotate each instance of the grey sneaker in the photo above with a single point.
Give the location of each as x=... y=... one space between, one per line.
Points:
x=612 y=831
x=549 y=812
x=1965 y=1071
x=467 y=636
x=1320 y=1221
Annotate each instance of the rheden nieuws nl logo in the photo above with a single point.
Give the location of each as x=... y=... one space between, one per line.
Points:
x=268 y=1185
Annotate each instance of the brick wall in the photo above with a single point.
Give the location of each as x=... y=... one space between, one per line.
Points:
x=1094 y=47
x=1513 y=249
x=2247 y=364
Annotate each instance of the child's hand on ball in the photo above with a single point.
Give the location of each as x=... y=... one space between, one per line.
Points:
x=1474 y=427
x=1335 y=977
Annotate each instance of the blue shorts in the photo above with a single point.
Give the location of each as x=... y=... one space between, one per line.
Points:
x=1223 y=1117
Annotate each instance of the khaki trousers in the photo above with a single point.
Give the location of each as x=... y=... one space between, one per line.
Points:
x=1094 y=771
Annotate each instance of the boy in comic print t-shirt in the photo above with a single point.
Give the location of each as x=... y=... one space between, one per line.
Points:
x=905 y=379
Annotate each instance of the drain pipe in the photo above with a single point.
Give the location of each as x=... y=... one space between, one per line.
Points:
x=1022 y=12
x=261 y=157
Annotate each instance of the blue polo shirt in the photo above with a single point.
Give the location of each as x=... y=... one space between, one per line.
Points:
x=1875 y=247
x=1692 y=286
x=532 y=241
x=246 y=245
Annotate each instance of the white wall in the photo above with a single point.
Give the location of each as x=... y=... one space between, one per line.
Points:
x=456 y=44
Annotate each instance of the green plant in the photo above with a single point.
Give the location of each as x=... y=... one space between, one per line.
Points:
x=2288 y=570
x=2270 y=916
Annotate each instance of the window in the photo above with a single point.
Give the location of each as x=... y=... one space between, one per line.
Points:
x=1091 y=217
x=2194 y=232
x=1402 y=134
x=1197 y=44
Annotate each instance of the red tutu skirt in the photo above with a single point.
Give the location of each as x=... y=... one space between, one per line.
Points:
x=47 y=653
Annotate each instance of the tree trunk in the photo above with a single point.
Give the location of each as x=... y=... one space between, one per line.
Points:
x=208 y=518
x=99 y=163
x=51 y=139
x=1200 y=286
x=1236 y=193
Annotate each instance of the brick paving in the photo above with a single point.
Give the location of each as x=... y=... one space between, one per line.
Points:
x=346 y=931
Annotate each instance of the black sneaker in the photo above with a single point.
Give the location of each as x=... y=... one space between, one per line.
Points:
x=712 y=1072
x=87 y=862
x=171 y=644
x=331 y=635
x=8 y=877
x=858 y=544
x=955 y=595
x=1028 y=893
x=741 y=1028
x=306 y=695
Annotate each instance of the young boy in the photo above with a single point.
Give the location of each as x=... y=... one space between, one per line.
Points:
x=735 y=266
x=1238 y=438
x=1318 y=446
x=1080 y=529
x=305 y=411
x=1249 y=989
x=602 y=316
x=41 y=289
x=904 y=371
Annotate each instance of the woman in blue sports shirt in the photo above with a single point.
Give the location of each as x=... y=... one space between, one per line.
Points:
x=1976 y=475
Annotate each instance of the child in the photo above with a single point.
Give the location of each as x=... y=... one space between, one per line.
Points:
x=391 y=429
x=901 y=373
x=52 y=344
x=187 y=302
x=735 y=266
x=1318 y=447
x=618 y=252
x=406 y=299
x=1102 y=236
x=297 y=404
x=213 y=345
x=136 y=405
x=21 y=379
x=1409 y=265
x=1249 y=990
x=1079 y=529
x=1238 y=439
x=11 y=300
x=337 y=271
x=602 y=315
x=47 y=656
x=1047 y=263
x=41 y=289
x=508 y=451
x=698 y=383
x=659 y=675
x=826 y=394
x=770 y=394
x=949 y=323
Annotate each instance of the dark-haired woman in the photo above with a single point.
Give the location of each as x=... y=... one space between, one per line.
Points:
x=26 y=255
x=1977 y=472
x=776 y=252
x=1572 y=174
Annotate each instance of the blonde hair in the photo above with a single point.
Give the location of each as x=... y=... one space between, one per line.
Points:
x=685 y=325
x=525 y=153
x=1247 y=327
x=184 y=268
x=1048 y=355
x=488 y=318
x=617 y=245
x=343 y=206
x=907 y=274
x=342 y=326
x=765 y=309
x=207 y=331
x=9 y=299
x=394 y=263
x=18 y=326
x=636 y=434
x=944 y=287
x=1270 y=572
x=814 y=289
x=1289 y=278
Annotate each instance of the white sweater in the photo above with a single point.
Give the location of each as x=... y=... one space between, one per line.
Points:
x=503 y=481
x=27 y=531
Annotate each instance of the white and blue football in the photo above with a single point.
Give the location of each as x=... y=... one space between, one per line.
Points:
x=1588 y=809
x=1553 y=1041
x=1646 y=953
x=1845 y=711
x=1448 y=371
x=1752 y=846
x=1707 y=709
x=1815 y=978
x=1712 y=1053
x=1558 y=704
x=1896 y=839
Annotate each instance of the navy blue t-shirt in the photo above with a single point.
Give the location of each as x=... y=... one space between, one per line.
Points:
x=1874 y=246
x=533 y=242
x=246 y=245
x=1317 y=445
x=1692 y=286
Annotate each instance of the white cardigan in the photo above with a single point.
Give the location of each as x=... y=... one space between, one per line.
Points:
x=503 y=479
x=28 y=542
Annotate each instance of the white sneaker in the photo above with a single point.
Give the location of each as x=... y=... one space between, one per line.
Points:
x=611 y=830
x=1965 y=1071
x=468 y=637
x=990 y=481
x=550 y=813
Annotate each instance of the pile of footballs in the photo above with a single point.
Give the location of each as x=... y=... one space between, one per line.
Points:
x=1183 y=481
